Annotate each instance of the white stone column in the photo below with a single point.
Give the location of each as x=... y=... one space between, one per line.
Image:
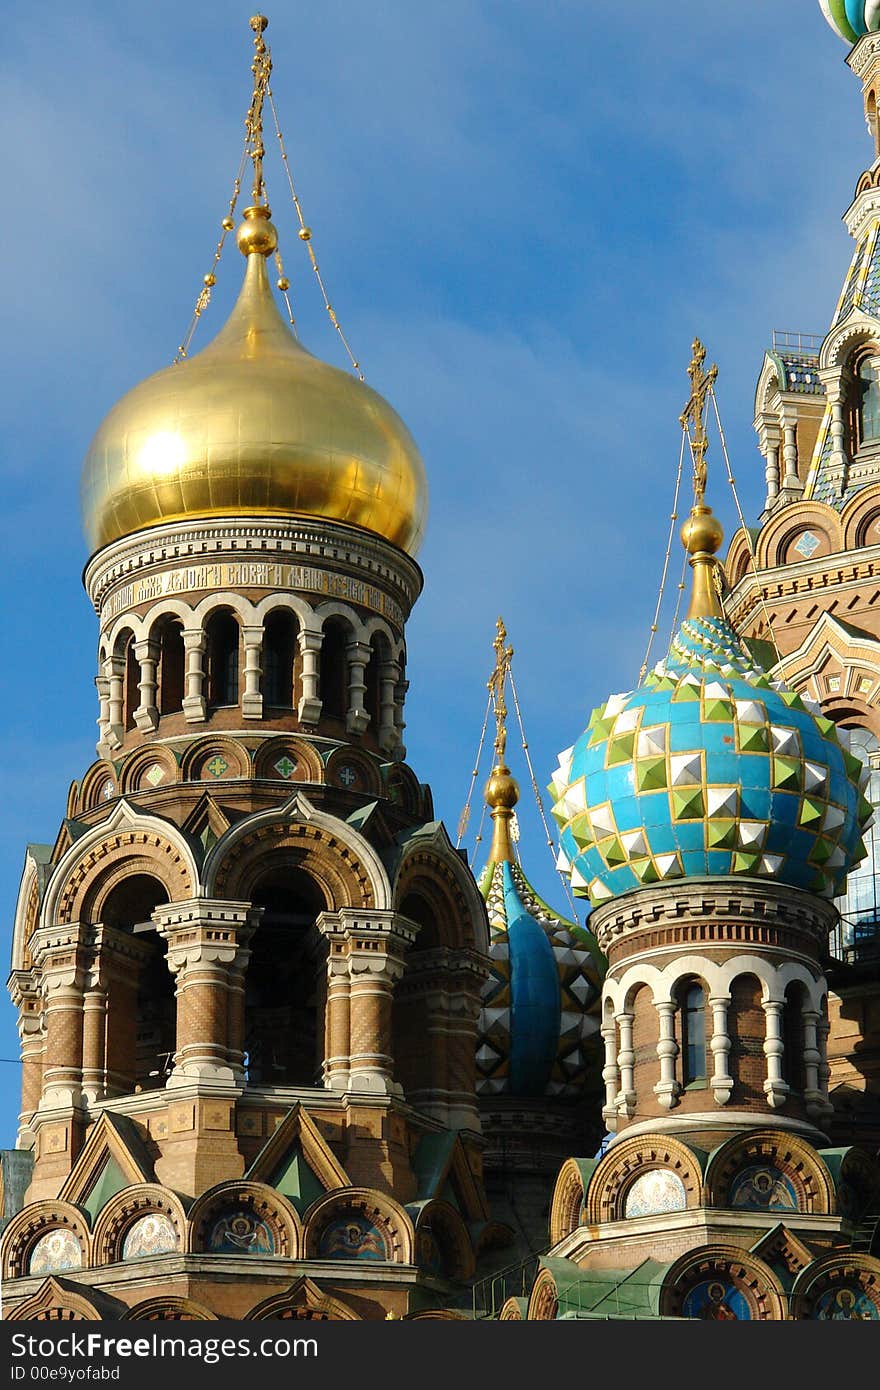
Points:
x=610 y=1073
x=835 y=381
x=146 y=716
x=115 y=669
x=791 y=487
x=722 y=1081
x=389 y=676
x=667 y=1088
x=252 y=699
x=357 y=654
x=309 y=707
x=775 y=1085
x=771 y=473
x=194 y=705
x=400 y=689
x=812 y=1095
x=102 y=685
x=626 y=1058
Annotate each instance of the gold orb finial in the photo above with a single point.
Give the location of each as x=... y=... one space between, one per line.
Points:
x=259 y=23
x=702 y=533
x=256 y=234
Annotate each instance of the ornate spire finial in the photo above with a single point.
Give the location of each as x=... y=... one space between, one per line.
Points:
x=502 y=791
x=497 y=682
x=261 y=68
x=702 y=533
x=694 y=413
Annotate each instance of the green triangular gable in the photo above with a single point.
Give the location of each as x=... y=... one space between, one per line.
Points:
x=109 y=1181
x=297 y=1180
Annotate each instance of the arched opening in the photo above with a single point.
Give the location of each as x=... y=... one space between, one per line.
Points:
x=286 y=982
x=279 y=659
x=221 y=655
x=123 y=652
x=691 y=1020
x=142 y=1026
x=380 y=652
x=334 y=669
x=746 y=1026
x=793 y=1037
x=864 y=405
x=172 y=665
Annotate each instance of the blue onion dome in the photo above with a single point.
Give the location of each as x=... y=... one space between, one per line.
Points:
x=852 y=18
x=539 y=1022
x=710 y=767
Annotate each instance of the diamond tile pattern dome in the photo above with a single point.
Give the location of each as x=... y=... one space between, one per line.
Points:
x=852 y=18
x=539 y=1023
x=709 y=768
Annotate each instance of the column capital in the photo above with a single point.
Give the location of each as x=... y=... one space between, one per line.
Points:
x=205 y=930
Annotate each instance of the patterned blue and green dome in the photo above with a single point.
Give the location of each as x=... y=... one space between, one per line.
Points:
x=708 y=768
x=852 y=18
x=539 y=1021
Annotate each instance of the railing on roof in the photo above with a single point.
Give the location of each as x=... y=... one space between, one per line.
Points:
x=854 y=942
x=796 y=342
x=489 y=1295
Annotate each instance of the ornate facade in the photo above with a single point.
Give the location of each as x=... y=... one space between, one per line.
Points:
x=282 y=1056
x=249 y=970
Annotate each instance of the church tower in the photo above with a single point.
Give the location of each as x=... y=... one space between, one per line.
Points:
x=539 y=1048
x=711 y=815
x=805 y=581
x=248 y=971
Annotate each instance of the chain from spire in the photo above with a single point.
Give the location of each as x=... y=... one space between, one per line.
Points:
x=255 y=150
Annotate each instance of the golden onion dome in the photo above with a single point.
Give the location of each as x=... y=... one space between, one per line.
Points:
x=254 y=425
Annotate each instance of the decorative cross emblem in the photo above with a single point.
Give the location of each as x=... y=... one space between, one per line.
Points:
x=347 y=776
x=217 y=766
x=701 y=387
x=285 y=766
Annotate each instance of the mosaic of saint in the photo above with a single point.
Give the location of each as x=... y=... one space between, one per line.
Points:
x=55 y=1251
x=655 y=1191
x=716 y=1300
x=153 y=1234
x=352 y=1238
x=240 y=1233
x=846 y=1305
x=763 y=1188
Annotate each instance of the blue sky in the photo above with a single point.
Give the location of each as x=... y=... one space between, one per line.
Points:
x=524 y=213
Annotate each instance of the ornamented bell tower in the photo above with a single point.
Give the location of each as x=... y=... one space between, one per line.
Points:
x=248 y=970
x=711 y=815
x=806 y=580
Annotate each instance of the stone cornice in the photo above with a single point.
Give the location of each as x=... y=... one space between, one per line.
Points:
x=346 y=551
x=792 y=581
x=719 y=901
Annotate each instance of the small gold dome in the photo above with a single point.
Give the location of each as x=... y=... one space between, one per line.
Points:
x=254 y=425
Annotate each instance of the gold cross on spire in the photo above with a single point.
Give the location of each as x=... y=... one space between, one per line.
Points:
x=261 y=68
x=694 y=412
x=496 y=683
